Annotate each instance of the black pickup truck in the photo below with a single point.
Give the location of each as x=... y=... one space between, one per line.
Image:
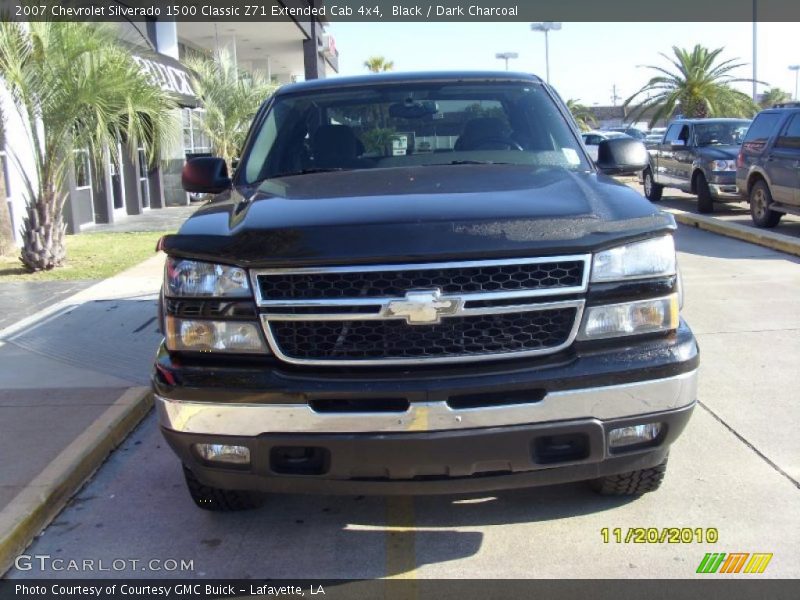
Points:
x=421 y=284
x=697 y=156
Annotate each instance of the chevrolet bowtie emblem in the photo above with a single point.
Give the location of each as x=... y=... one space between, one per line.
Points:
x=423 y=307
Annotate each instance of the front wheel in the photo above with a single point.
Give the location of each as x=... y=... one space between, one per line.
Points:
x=652 y=191
x=760 y=200
x=219 y=500
x=705 y=203
x=632 y=483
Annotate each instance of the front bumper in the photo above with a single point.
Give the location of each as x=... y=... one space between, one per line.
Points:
x=457 y=461
x=300 y=440
x=723 y=186
x=724 y=192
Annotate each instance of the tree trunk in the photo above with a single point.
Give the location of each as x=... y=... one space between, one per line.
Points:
x=43 y=233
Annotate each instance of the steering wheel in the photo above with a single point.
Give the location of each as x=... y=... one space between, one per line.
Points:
x=497 y=141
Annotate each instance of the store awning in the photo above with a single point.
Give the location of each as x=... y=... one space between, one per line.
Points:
x=170 y=75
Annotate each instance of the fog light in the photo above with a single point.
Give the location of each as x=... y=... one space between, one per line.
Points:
x=194 y=335
x=223 y=453
x=633 y=435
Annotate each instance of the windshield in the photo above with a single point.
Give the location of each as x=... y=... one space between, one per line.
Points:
x=720 y=134
x=394 y=126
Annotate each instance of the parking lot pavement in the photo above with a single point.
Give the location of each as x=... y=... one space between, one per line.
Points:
x=735 y=469
x=730 y=212
x=18 y=299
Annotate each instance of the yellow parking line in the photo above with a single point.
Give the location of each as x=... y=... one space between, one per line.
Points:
x=401 y=560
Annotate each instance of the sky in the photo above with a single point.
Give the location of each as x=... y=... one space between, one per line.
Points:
x=586 y=59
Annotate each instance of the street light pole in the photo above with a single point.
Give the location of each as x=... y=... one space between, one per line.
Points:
x=546 y=27
x=796 y=69
x=755 y=52
x=505 y=56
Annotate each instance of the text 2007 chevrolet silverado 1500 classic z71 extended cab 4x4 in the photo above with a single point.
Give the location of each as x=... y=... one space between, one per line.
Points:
x=421 y=284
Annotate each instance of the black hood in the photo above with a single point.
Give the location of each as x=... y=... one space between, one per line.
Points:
x=416 y=214
x=729 y=152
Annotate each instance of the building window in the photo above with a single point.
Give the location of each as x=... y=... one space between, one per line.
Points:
x=194 y=140
x=83 y=173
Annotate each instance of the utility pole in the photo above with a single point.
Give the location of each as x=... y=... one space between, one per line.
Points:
x=796 y=69
x=614 y=96
x=755 y=52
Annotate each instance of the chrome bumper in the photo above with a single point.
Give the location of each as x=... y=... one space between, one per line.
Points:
x=603 y=403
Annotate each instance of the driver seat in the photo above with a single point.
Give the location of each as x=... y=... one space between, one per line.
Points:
x=477 y=132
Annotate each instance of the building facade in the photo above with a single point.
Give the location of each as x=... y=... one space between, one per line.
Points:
x=123 y=184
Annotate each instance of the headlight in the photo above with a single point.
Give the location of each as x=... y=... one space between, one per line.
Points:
x=723 y=165
x=194 y=335
x=191 y=278
x=630 y=318
x=649 y=258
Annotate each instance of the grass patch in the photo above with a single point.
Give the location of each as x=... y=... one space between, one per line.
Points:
x=89 y=256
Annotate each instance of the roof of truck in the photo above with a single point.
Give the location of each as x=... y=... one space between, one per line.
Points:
x=334 y=83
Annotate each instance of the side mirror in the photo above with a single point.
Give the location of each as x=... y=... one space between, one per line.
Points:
x=677 y=144
x=622 y=156
x=205 y=175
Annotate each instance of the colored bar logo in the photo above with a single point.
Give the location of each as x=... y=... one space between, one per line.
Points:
x=734 y=562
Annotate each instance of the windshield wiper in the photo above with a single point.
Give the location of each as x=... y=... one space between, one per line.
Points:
x=469 y=162
x=308 y=171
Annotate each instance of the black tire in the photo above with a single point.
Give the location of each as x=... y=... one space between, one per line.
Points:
x=218 y=500
x=760 y=200
x=632 y=483
x=705 y=203
x=652 y=190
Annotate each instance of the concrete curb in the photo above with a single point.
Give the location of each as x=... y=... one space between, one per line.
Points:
x=44 y=497
x=761 y=237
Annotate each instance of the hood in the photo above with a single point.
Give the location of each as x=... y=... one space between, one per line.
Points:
x=729 y=152
x=416 y=214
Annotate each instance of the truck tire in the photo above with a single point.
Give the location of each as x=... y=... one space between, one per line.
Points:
x=218 y=500
x=632 y=483
x=652 y=190
x=705 y=203
x=760 y=199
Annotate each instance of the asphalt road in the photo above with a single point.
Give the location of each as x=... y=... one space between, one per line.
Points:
x=736 y=469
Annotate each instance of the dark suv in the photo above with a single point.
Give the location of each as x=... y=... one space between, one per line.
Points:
x=768 y=166
x=421 y=283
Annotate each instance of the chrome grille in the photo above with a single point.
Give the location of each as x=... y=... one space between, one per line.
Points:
x=453 y=337
x=421 y=313
x=470 y=279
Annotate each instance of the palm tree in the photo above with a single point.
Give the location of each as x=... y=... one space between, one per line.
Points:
x=74 y=87
x=698 y=87
x=231 y=98
x=376 y=64
x=774 y=96
x=583 y=115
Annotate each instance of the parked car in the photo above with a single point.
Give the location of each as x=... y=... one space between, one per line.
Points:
x=629 y=130
x=500 y=314
x=697 y=156
x=592 y=139
x=768 y=166
x=654 y=136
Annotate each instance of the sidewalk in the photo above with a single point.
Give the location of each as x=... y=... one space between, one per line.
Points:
x=73 y=383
